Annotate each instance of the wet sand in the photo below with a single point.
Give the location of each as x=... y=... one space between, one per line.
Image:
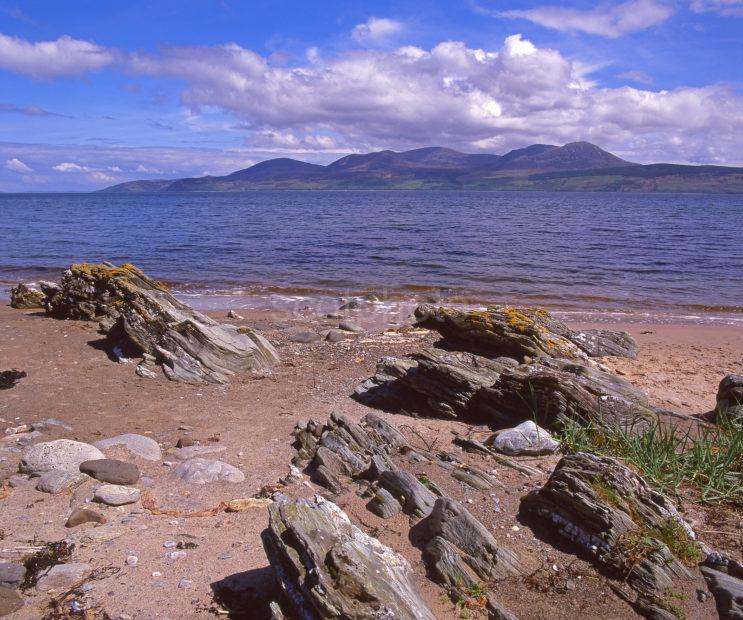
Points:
x=71 y=377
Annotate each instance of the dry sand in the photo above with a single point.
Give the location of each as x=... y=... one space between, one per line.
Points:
x=70 y=377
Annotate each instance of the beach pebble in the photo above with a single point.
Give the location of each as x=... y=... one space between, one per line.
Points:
x=177 y=555
x=132 y=560
x=204 y=471
x=144 y=371
x=116 y=495
x=45 y=425
x=335 y=335
x=234 y=315
x=185 y=442
x=526 y=439
x=111 y=470
x=58 y=481
x=349 y=326
x=11 y=574
x=84 y=515
x=63 y=576
x=143 y=447
x=302 y=336
x=184 y=584
x=61 y=454
x=10 y=601
x=19 y=481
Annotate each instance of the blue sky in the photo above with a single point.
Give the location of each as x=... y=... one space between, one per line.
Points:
x=96 y=93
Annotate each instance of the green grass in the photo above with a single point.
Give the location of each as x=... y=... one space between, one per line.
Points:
x=709 y=461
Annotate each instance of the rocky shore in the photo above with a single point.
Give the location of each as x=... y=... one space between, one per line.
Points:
x=162 y=463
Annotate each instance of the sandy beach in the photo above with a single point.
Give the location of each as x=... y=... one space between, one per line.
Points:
x=71 y=378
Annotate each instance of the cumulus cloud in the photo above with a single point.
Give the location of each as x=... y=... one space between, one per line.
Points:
x=63 y=56
x=730 y=8
x=293 y=143
x=16 y=165
x=452 y=95
x=606 y=20
x=70 y=167
x=376 y=30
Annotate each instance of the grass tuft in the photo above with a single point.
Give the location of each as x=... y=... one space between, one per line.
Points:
x=708 y=461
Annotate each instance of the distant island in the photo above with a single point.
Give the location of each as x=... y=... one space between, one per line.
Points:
x=578 y=166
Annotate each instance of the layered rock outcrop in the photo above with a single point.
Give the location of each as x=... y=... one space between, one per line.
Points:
x=141 y=317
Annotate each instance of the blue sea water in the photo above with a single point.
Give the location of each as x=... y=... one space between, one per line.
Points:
x=677 y=253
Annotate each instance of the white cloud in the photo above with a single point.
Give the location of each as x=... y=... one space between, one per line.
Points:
x=608 y=20
x=730 y=8
x=16 y=165
x=70 y=167
x=64 y=56
x=376 y=30
x=147 y=170
x=451 y=95
x=101 y=177
x=289 y=142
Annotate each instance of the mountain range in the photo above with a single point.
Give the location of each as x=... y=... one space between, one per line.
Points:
x=578 y=166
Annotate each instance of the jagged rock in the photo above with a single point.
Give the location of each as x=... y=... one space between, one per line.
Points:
x=63 y=454
x=383 y=504
x=111 y=470
x=526 y=439
x=611 y=513
x=728 y=593
x=730 y=396
x=468 y=386
x=144 y=447
x=519 y=332
x=415 y=498
x=26 y=297
x=205 y=471
x=451 y=522
x=141 y=316
x=59 y=480
x=328 y=568
x=8 y=378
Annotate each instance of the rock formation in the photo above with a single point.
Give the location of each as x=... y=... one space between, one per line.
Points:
x=329 y=568
x=26 y=297
x=472 y=387
x=632 y=532
x=516 y=332
x=730 y=396
x=141 y=317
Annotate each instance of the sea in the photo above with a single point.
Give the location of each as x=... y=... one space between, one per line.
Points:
x=669 y=257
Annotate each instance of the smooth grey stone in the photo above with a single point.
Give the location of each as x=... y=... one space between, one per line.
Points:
x=11 y=574
x=303 y=336
x=58 y=481
x=526 y=439
x=205 y=471
x=335 y=335
x=62 y=454
x=144 y=447
x=349 y=326
x=728 y=593
x=116 y=494
x=63 y=576
x=44 y=425
x=111 y=470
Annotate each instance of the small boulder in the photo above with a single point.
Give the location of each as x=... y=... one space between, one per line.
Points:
x=63 y=454
x=350 y=326
x=59 y=480
x=111 y=470
x=303 y=336
x=205 y=471
x=49 y=423
x=730 y=396
x=188 y=452
x=335 y=335
x=526 y=439
x=25 y=297
x=116 y=495
x=143 y=447
x=63 y=576
x=234 y=315
x=84 y=515
x=11 y=574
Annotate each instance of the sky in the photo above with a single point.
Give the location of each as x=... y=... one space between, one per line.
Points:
x=97 y=93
